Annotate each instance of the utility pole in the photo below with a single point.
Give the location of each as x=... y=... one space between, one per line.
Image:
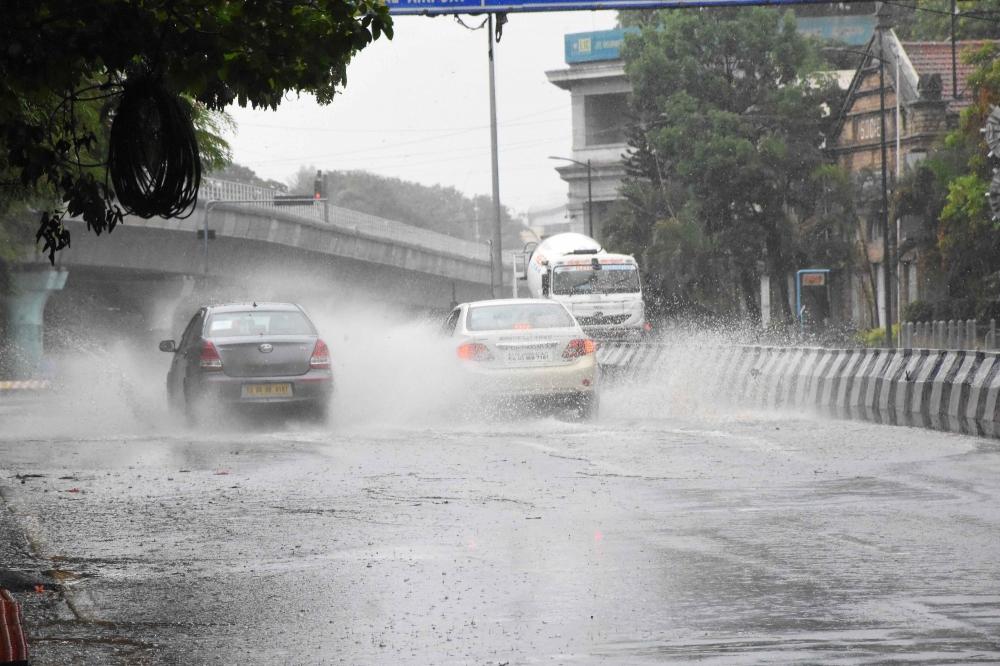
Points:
x=954 y=59
x=883 y=13
x=496 y=250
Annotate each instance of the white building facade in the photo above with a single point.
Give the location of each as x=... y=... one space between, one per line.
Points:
x=595 y=79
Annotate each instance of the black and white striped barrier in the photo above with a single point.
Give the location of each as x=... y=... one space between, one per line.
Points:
x=943 y=389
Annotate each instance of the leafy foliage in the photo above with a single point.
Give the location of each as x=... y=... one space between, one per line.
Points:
x=930 y=20
x=726 y=166
x=950 y=190
x=64 y=66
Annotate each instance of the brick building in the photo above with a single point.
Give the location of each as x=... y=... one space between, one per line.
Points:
x=922 y=102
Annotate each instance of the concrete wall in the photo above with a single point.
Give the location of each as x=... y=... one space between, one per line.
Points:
x=941 y=389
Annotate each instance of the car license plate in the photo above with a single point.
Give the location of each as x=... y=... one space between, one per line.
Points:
x=529 y=356
x=267 y=390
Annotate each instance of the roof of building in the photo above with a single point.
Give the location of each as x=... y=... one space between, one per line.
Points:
x=916 y=59
x=935 y=58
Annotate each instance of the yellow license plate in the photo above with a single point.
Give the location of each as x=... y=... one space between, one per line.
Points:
x=267 y=390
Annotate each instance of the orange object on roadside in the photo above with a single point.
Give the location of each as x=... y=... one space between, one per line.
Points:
x=13 y=644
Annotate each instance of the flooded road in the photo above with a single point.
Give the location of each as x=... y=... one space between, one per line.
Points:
x=725 y=537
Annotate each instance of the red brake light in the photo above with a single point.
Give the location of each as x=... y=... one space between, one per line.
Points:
x=320 y=357
x=579 y=347
x=210 y=359
x=474 y=351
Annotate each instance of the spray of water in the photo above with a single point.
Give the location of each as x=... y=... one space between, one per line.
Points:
x=391 y=367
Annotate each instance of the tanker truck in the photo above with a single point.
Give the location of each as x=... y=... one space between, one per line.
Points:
x=601 y=289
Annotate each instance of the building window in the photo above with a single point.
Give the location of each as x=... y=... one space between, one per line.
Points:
x=605 y=118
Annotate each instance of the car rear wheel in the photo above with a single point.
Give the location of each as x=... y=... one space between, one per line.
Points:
x=318 y=412
x=588 y=406
x=192 y=407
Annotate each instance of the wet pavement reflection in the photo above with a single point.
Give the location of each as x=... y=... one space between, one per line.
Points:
x=649 y=536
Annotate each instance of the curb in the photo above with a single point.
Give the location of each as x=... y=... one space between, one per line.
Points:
x=13 y=644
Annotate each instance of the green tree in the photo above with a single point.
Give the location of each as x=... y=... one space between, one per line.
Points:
x=949 y=189
x=434 y=207
x=73 y=72
x=725 y=149
x=930 y=20
x=243 y=174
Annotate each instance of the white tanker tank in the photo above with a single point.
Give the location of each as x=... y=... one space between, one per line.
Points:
x=602 y=290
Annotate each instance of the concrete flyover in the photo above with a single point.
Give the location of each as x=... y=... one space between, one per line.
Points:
x=254 y=250
x=313 y=246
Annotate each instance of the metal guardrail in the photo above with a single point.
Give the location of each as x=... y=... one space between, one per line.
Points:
x=249 y=196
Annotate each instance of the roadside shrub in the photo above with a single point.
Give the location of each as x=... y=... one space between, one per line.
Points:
x=942 y=310
x=875 y=337
x=986 y=310
x=918 y=311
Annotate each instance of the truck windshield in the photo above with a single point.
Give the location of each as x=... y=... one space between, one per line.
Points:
x=610 y=279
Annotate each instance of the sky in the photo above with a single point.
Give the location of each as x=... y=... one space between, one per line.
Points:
x=417 y=108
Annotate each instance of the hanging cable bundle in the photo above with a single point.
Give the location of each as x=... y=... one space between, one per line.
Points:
x=153 y=159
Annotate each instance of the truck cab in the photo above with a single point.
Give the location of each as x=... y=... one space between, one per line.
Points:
x=601 y=289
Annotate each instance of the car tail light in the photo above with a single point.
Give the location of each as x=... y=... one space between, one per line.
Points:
x=579 y=347
x=320 y=357
x=474 y=351
x=210 y=359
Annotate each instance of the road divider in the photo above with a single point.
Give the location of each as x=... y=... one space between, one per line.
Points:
x=954 y=390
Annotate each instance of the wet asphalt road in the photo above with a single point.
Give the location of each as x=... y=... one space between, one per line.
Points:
x=652 y=536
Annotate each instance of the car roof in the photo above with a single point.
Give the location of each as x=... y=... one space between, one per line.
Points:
x=512 y=301
x=252 y=305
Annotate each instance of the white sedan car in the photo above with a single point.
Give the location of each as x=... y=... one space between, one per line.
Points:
x=525 y=350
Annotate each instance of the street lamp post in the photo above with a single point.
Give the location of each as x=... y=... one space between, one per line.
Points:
x=590 y=191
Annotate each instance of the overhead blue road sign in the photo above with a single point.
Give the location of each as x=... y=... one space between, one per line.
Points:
x=431 y=7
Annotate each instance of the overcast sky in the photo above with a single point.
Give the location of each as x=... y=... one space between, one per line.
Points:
x=417 y=108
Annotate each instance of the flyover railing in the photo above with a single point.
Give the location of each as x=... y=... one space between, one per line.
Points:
x=251 y=196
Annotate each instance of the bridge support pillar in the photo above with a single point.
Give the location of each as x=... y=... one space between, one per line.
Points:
x=25 y=308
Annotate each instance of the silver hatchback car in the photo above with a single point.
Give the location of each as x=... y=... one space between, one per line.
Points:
x=249 y=354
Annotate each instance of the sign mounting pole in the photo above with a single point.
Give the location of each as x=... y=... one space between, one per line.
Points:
x=496 y=275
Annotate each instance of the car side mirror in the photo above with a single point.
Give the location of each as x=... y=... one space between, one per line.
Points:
x=545 y=284
x=168 y=346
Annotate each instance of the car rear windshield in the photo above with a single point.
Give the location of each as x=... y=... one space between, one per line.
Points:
x=258 y=322
x=518 y=316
